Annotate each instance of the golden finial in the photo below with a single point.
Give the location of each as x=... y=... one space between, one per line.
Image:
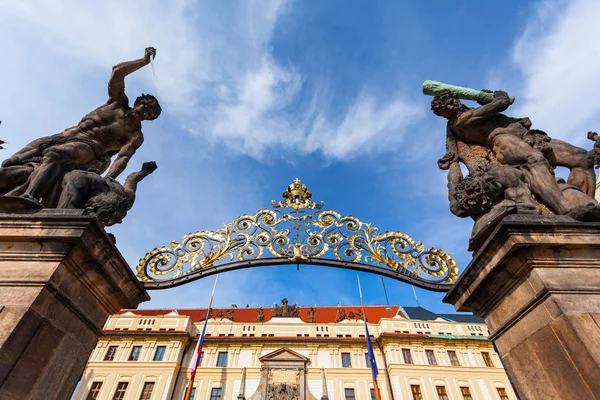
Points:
x=297 y=196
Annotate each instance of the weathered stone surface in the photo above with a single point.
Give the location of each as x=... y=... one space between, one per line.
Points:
x=60 y=278
x=511 y=167
x=283 y=376
x=67 y=170
x=537 y=284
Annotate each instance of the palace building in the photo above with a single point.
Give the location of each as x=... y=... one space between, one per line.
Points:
x=291 y=352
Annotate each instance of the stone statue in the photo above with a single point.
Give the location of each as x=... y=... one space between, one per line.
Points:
x=261 y=315
x=594 y=137
x=35 y=173
x=285 y=310
x=230 y=315
x=104 y=198
x=360 y=315
x=341 y=315
x=312 y=314
x=511 y=166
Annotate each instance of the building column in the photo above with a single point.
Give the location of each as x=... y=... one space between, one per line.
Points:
x=337 y=363
x=536 y=282
x=236 y=357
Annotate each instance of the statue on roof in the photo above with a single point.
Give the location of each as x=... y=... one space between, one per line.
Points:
x=261 y=315
x=285 y=310
x=360 y=315
x=341 y=315
x=38 y=172
x=510 y=165
x=312 y=315
x=230 y=315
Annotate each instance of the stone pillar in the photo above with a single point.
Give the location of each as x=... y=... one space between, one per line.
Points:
x=536 y=282
x=60 y=278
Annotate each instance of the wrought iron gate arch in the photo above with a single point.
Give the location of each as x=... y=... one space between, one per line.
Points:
x=296 y=230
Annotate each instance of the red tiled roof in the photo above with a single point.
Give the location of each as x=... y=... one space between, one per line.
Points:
x=323 y=315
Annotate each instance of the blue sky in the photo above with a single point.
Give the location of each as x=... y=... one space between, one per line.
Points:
x=257 y=93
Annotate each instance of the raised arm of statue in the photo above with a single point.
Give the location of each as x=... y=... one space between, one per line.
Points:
x=124 y=155
x=450 y=163
x=499 y=103
x=451 y=150
x=133 y=179
x=455 y=176
x=116 y=83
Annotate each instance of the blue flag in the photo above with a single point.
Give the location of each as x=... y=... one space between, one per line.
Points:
x=371 y=354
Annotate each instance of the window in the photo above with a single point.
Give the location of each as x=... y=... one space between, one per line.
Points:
x=349 y=394
x=441 y=392
x=453 y=359
x=487 y=359
x=215 y=393
x=407 y=356
x=416 y=392
x=502 y=394
x=201 y=359
x=111 y=353
x=346 y=363
x=192 y=396
x=372 y=394
x=431 y=357
x=466 y=393
x=135 y=353
x=222 y=359
x=95 y=391
x=120 y=392
x=147 y=391
x=367 y=360
x=160 y=353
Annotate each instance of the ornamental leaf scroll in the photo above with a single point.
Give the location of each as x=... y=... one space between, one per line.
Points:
x=297 y=230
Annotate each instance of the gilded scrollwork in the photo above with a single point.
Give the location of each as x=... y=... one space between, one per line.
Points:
x=296 y=229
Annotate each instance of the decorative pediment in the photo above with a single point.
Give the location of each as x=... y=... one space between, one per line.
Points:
x=284 y=354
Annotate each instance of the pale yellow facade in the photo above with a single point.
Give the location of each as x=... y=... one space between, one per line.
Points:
x=323 y=344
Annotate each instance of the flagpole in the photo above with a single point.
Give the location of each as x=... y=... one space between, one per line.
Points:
x=198 y=349
x=367 y=336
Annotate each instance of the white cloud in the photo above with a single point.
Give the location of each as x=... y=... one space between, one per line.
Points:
x=215 y=72
x=559 y=56
x=216 y=77
x=368 y=126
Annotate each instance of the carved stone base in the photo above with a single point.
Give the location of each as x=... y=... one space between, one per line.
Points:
x=283 y=377
x=536 y=281
x=14 y=203
x=60 y=278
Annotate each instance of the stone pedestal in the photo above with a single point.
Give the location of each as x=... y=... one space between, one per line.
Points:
x=60 y=278
x=536 y=282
